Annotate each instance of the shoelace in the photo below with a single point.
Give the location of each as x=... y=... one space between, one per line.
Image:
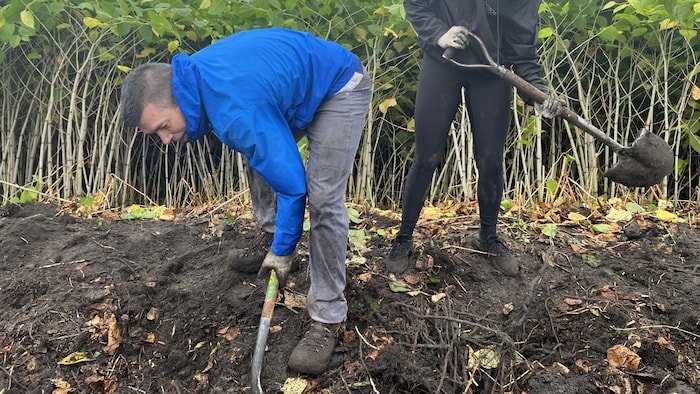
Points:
x=317 y=337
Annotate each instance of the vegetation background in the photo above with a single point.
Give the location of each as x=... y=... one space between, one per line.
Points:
x=623 y=65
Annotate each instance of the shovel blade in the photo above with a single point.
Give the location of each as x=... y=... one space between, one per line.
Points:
x=643 y=164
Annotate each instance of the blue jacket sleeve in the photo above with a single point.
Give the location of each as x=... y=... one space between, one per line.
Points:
x=265 y=138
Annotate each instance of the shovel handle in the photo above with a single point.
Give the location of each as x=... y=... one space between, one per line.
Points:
x=449 y=53
x=536 y=94
x=565 y=112
x=263 y=329
x=270 y=295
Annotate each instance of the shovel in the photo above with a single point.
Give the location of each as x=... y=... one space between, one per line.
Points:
x=643 y=164
x=263 y=330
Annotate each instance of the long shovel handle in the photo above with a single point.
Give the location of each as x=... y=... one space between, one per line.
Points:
x=263 y=330
x=528 y=89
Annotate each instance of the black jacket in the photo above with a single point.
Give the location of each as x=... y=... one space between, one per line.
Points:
x=513 y=22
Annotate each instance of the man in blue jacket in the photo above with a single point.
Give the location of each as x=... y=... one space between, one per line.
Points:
x=257 y=90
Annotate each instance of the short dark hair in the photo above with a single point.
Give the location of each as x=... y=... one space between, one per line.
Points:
x=149 y=83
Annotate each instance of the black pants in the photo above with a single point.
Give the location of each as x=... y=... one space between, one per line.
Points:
x=488 y=106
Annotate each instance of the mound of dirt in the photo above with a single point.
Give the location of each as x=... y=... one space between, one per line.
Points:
x=152 y=306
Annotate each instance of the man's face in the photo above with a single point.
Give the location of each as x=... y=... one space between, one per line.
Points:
x=167 y=123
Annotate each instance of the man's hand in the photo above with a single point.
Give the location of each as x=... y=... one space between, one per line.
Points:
x=550 y=108
x=456 y=37
x=281 y=264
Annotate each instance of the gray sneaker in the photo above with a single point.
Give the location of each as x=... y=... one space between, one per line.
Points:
x=315 y=351
x=497 y=253
x=397 y=262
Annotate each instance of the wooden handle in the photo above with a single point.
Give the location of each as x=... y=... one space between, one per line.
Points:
x=270 y=295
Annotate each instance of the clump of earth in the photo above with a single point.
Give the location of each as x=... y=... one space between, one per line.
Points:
x=108 y=305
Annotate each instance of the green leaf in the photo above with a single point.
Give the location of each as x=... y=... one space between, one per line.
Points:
x=601 y=227
x=507 y=204
x=634 y=207
x=105 y=57
x=91 y=22
x=667 y=24
x=6 y=32
x=610 y=34
x=354 y=216
x=545 y=32
x=694 y=142
x=27 y=18
x=609 y=5
x=552 y=186
x=398 y=287
x=356 y=239
x=591 y=260
x=173 y=45
x=549 y=229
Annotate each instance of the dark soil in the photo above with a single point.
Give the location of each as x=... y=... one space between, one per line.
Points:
x=157 y=308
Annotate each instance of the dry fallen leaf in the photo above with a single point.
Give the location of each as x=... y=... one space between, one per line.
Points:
x=365 y=277
x=580 y=249
x=508 y=308
x=431 y=261
x=62 y=387
x=229 y=333
x=663 y=342
x=576 y=217
x=152 y=314
x=114 y=334
x=573 y=301
x=606 y=292
x=78 y=357
x=294 y=386
x=411 y=279
x=624 y=358
x=435 y=298
x=483 y=358
x=581 y=366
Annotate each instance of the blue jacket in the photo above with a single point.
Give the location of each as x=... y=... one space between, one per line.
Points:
x=252 y=89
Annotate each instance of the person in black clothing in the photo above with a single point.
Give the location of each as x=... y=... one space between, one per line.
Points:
x=508 y=29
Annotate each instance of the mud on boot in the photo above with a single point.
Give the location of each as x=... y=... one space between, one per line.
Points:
x=497 y=253
x=314 y=352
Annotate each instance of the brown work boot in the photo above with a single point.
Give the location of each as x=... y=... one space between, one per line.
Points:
x=248 y=260
x=497 y=253
x=315 y=351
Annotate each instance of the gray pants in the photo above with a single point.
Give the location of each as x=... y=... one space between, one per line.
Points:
x=333 y=135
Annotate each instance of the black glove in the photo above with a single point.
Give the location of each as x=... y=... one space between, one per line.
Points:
x=551 y=107
x=456 y=37
x=281 y=264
